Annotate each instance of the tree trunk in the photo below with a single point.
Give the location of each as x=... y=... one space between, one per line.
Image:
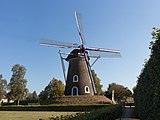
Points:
x=17 y=102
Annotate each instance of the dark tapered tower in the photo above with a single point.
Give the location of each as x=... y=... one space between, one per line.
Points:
x=78 y=80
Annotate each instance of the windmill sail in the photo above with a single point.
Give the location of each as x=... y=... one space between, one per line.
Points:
x=83 y=49
x=90 y=73
x=63 y=66
x=103 y=52
x=79 y=27
x=59 y=44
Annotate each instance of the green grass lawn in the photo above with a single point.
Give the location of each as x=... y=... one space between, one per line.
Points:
x=29 y=115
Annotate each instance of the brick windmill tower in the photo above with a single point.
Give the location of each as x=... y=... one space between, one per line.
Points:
x=79 y=80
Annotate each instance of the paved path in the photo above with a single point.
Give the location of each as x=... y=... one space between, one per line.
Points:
x=127 y=114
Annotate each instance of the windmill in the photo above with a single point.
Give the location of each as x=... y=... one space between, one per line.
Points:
x=79 y=80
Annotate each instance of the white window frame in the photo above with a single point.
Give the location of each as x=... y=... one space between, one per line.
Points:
x=85 y=89
x=76 y=90
x=75 y=78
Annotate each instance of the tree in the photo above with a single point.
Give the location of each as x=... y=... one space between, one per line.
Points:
x=17 y=85
x=3 y=87
x=43 y=96
x=97 y=83
x=120 y=92
x=32 y=97
x=54 y=88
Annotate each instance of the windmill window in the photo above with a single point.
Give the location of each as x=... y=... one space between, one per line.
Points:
x=75 y=78
x=87 y=89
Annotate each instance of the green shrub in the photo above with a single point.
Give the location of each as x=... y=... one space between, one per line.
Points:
x=105 y=113
x=72 y=107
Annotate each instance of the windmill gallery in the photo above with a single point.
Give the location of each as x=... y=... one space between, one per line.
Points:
x=79 y=81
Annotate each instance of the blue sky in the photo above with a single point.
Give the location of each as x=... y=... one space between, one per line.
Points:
x=124 y=25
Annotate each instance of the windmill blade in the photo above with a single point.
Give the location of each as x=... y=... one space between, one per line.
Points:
x=90 y=73
x=95 y=54
x=79 y=27
x=59 y=44
x=63 y=67
x=103 y=52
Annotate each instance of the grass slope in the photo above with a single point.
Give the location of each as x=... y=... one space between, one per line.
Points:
x=29 y=115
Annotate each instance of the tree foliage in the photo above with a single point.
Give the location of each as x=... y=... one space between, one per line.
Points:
x=97 y=83
x=32 y=97
x=3 y=87
x=147 y=91
x=54 y=88
x=120 y=92
x=17 y=85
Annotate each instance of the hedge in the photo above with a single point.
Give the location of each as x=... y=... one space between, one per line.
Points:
x=147 y=91
x=105 y=113
x=72 y=107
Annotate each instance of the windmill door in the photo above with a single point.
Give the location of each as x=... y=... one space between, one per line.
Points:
x=74 y=91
